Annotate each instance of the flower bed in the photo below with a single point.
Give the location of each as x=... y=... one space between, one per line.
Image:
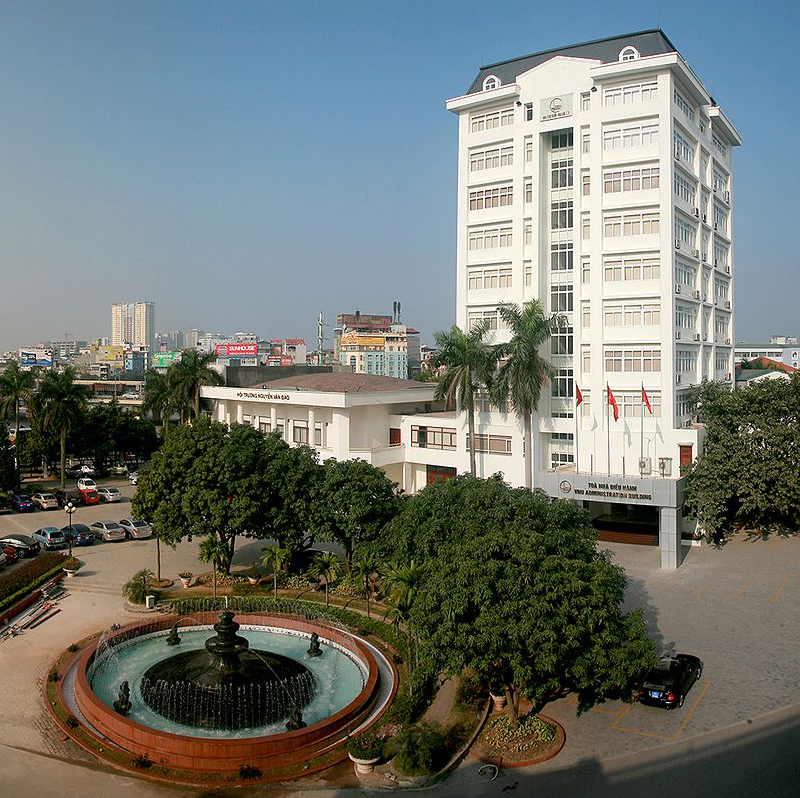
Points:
x=533 y=739
x=28 y=576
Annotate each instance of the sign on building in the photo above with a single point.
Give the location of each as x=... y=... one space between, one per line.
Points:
x=237 y=350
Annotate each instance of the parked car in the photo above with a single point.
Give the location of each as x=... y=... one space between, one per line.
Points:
x=25 y=545
x=108 y=530
x=68 y=495
x=119 y=470
x=136 y=530
x=11 y=554
x=50 y=537
x=73 y=472
x=84 y=483
x=667 y=684
x=45 y=501
x=80 y=533
x=3 y=559
x=87 y=470
x=133 y=477
x=22 y=503
x=89 y=496
x=109 y=494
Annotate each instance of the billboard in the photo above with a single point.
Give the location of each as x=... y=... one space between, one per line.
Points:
x=163 y=360
x=36 y=357
x=237 y=350
x=109 y=354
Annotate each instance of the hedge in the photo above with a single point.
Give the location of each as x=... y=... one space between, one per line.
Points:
x=29 y=576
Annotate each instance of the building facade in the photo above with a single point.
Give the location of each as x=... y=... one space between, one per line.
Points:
x=133 y=323
x=783 y=348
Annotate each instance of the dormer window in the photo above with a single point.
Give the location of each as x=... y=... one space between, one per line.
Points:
x=491 y=83
x=628 y=54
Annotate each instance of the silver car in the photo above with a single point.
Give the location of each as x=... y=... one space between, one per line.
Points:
x=45 y=501
x=108 y=530
x=136 y=530
x=50 y=538
x=109 y=494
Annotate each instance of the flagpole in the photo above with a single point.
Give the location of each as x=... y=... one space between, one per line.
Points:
x=608 y=430
x=577 y=410
x=641 y=418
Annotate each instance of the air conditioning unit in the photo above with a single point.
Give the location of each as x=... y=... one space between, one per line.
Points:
x=677 y=334
x=728 y=269
x=705 y=217
x=677 y=378
x=705 y=297
x=705 y=257
x=677 y=153
x=697 y=212
x=696 y=253
x=645 y=465
x=696 y=294
x=705 y=336
x=665 y=466
x=727 y=196
x=677 y=289
x=727 y=304
x=716 y=261
x=715 y=189
x=716 y=226
x=677 y=243
x=727 y=376
x=727 y=341
x=697 y=336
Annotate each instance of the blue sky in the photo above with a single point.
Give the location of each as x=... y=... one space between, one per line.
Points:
x=247 y=164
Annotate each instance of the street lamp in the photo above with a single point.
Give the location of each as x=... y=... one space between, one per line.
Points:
x=69 y=509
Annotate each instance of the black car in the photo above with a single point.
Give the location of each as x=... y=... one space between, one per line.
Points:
x=667 y=684
x=70 y=495
x=22 y=503
x=25 y=545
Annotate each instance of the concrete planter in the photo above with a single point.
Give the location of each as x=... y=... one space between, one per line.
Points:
x=364 y=766
x=70 y=572
x=185 y=580
x=498 y=702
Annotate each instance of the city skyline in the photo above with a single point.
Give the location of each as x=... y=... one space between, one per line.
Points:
x=161 y=174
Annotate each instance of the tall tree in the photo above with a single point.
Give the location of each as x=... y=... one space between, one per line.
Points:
x=187 y=377
x=326 y=566
x=16 y=386
x=366 y=568
x=157 y=398
x=215 y=551
x=467 y=362
x=63 y=407
x=9 y=476
x=274 y=558
x=352 y=502
x=523 y=371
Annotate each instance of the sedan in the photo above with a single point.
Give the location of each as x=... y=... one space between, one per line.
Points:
x=108 y=530
x=45 y=501
x=89 y=496
x=80 y=533
x=136 y=530
x=87 y=469
x=25 y=545
x=63 y=497
x=667 y=684
x=84 y=483
x=22 y=503
x=109 y=494
x=50 y=537
x=11 y=554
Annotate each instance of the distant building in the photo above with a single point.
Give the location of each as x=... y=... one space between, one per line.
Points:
x=192 y=338
x=783 y=348
x=285 y=352
x=133 y=323
x=370 y=344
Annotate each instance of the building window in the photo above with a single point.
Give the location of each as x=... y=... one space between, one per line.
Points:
x=561 y=341
x=633 y=360
x=585 y=184
x=394 y=436
x=638 y=179
x=498 y=197
x=491 y=120
x=586 y=226
x=489 y=316
x=630 y=224
x=561 y=140
x=491 y=158
x=491 y=83
x=586 y=359
x=561 y=216
x=586 y=314
x=483 y=404
x=684 y=150
x=433 y=437
x=528 y=191
x=300 y=432
x=630 y=136
x=585 y=100
x=630 y=93
x=586 y=271
x=685 y=316
x=686 y=361
x=529 y=112
x=492 y=444
x=631 y=268
x=585 y=142
x=720 y=219
x=480 y=238
x=561 y=449
x=528 y=234
x=561 y=256
x=628 y=54
x=719 y=146
x=561 y=386
x=528 y=150
x=632 y=315
x=684 y=189
x=528 y=273
x=684 y=273
x=480 y=279
x=684 y=405
x=561 y=173
x=685 y=232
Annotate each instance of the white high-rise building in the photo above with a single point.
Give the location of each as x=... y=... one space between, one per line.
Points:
x=597 y=179
x=133 y=323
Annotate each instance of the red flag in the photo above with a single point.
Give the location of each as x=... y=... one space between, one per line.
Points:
x=578 y=396
x=646 y=400
x=613 y=403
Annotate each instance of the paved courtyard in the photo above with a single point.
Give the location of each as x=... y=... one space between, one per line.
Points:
x=736 y=608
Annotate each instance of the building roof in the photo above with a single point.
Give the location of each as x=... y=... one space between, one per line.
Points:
x=768 y=364
x=748 y=375
x=342 y=382
x=647 y=42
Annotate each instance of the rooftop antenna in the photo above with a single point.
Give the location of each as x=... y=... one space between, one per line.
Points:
x=398 y=312
x=320 y=322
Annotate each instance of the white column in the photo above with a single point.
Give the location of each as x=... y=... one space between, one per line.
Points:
x=408 y=478
x=254 y=419
x=669 y=537
x=239 y=413
x=273 y=418
x=340 y=435
x=312 y=432
x=221 y=406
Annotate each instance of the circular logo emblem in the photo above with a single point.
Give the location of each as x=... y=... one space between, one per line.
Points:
x=556 y=105
x=565 y=485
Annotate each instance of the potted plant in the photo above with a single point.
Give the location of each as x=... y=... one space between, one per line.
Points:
x=186 y=578
x=365 y=750
x=71 y=567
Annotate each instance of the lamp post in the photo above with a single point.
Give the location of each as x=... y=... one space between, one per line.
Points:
x=69 y=509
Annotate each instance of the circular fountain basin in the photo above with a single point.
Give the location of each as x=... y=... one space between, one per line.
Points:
x=346 y=675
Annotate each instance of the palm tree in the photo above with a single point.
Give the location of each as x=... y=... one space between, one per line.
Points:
x=364 y=568
x=157 y=397
x=523 y=371
x=16 y=386
x=404 y=582
x=275 y=557
x=187 y=377
x=467 y=362
x=327 y=566
x=213 y=550
x=62 y=405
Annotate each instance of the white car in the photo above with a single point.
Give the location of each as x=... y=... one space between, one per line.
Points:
x=109 y=494
x=108 y=530
x=45 y=501
x=88 y=470
x=136 y=530
x=84 y=483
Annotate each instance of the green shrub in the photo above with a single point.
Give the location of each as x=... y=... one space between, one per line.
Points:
x=365 y=746
x=421 y=750
x=471 y=691
x=29 y=575
x=135 y=589
x=348 y=587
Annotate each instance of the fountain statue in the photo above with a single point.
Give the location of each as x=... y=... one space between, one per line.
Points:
x=228 y=685
x=295 y=719
x=314 y=650
x=123 y=703
x=173 y=638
